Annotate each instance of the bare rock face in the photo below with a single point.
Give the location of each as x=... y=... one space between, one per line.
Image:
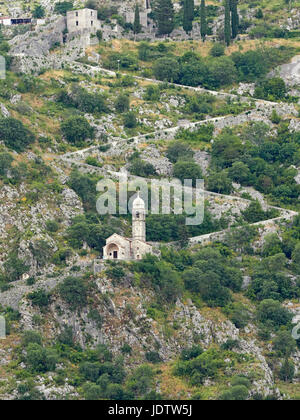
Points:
x=162 y=165
x=203 y=159
x=125 y=320
x=291 y=72
x=4 y=111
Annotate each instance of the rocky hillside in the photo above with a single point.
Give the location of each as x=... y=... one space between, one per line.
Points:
x=212 y=317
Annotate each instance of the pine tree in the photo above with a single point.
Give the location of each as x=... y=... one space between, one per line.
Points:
x=203 y=20
x=188 y=15
x=137 y=27
x=164 y=15
x=227 y=26
x=234 y=18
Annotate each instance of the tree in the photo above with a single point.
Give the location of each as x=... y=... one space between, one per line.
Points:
x=203 y=20
x=76 y=130
x=227 y=26
x=130 y=120
x=39 y=12
x=164 y=15
x=187 y=170
x=239 y=172
x=221 y=72
x=63 y=7
x=14 y=267
x=137 y=27
x=39 y=359
x=284 y=344
x=234 y=18
x=178 y=150
x=296 y=256
x=15 y=135
x=271 y=311
x=220 y=183
x=122 y=103
x=166 y=69
x=287 y=371
x=254 y=212
x=39 y=298
x=188 y=15
x=139 y=167
x=208 y=284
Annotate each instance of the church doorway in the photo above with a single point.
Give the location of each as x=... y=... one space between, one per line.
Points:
x=113 y=252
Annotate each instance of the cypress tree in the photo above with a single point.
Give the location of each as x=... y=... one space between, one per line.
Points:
x=234 y=18
x=188 y=15
x=203 y=20
x=164 y=15
x=227 y=26
x=137 y=22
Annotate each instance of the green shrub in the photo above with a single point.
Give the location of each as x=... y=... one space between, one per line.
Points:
x=74 y=292
x=39 y=359
x=178 y=150
x=52 y=226
x=39 y=298
x=76 y=130
x=236 y=393
x=15 y=135
x=122 y=103
x=130 y=120
x=153 y=357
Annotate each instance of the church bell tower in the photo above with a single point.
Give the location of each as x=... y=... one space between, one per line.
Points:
x=138 y=219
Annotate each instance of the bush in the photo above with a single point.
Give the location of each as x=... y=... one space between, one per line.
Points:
x=74 y=292
x=178 y=150
x=63 y=7
x=219 y=183
x=52 y=226
x=153 y=357
x=284 y=344
x=5 y=163
x=287 y=371
x=31 y=337
x=236 y=393
x=152 y=93
x=191 y=353
x=130 y=120
x=76 y=130
x=187 y=170
x=141 y=381
x=15 y=135
x=141 y=168
x=90 y=371
x=39 y=359
x=166 y=69
x=271 y=311
x=14 y=267
x=217 y=50
x=122 y=103
x=206 y=365
x=241 y=380
x=39 y=298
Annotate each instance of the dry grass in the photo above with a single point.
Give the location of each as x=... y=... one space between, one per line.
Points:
x=171 y=385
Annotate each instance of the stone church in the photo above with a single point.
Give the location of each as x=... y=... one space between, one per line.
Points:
x=120 y=248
